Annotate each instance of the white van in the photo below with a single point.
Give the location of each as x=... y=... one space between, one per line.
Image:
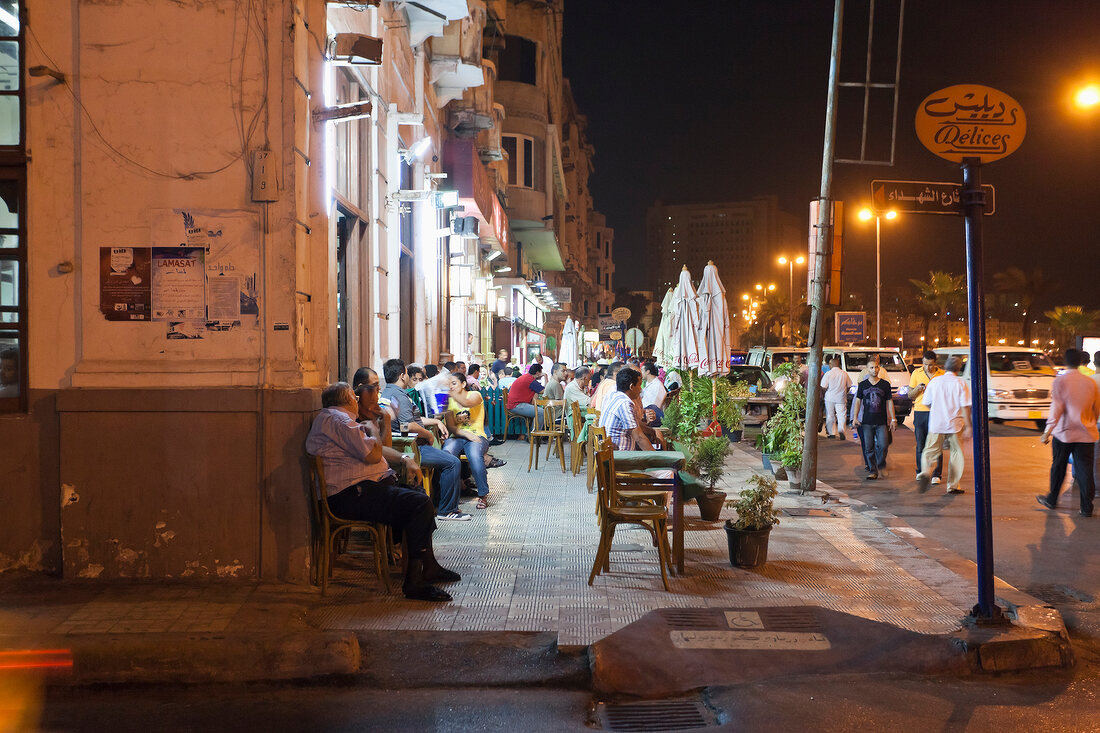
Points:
x=770 y=357
x=853 y=359
x=1019 y=381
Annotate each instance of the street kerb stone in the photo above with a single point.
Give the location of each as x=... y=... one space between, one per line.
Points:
x=665 y=653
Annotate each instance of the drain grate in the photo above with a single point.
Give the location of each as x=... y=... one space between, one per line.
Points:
x=790 y=619
x=658 y=715
x=1059 y=595
x=691 y=618
x=809 y=512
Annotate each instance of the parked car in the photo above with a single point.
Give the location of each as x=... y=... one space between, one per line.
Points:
x=854 y=359
x=764 y=400
x=1018 y=382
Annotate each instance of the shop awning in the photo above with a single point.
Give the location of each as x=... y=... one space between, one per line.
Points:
x=540 y=245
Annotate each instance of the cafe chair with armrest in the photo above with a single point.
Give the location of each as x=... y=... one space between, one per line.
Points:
x=333 y=528
x=613 y=511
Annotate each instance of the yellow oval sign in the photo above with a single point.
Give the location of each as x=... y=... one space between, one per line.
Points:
x=970 y=121
x=621 y=314
x=615 y=335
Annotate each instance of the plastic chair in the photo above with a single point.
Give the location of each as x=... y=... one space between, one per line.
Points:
x=613 y=511
x=550 y=431
x=333 y=528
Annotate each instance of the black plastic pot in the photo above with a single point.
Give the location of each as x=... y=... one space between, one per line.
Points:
x=765 y=461
x=779 y=471
x=710 y=505
x=748 y=547
x=734 y=436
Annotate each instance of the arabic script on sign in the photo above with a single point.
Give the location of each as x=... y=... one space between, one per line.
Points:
x=970 y=121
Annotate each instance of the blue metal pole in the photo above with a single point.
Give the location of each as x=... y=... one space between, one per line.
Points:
x=973 y=200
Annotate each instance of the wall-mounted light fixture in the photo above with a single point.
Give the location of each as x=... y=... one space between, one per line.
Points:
x=342 y=112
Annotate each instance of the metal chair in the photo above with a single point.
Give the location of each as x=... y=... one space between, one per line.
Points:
x=332 y=528
x=614 y=509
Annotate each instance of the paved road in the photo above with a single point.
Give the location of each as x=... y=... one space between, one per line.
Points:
x=1049 y=554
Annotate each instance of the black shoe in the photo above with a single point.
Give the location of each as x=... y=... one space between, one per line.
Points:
x=1045 y=501
x=426 y=592
x=1085 y=514
x=441 y=575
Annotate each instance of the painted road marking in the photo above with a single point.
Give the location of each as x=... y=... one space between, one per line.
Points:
x=775 y=640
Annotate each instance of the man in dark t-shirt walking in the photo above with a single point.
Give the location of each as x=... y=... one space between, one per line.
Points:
x=875 y=397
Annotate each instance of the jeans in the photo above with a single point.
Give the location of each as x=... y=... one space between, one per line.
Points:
x=836 y=417
x=475 y=459
x=920 y=432
x=1083 y=456
x=874 y=446
x=933 y=454
x=449 y=469
x=526 y=409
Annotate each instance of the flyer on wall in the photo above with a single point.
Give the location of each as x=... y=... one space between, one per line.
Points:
x=179 y=284
x=125 y=286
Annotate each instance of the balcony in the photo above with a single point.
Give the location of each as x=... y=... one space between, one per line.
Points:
x=428 y=18
x=456 y=56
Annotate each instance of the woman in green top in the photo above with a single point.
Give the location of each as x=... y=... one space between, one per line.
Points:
x=469 y=438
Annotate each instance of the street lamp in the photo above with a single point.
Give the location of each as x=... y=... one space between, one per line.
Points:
x=790 y=305
x=866 y=215
x=1087 y=97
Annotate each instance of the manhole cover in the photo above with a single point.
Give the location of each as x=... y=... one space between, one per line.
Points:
x=1058 y=595
x=790 y=619
x=691 y=618
x=658 y=715
x=809 y=512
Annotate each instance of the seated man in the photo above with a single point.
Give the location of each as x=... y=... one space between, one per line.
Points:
x=577 y=390
x=607 y=385
x=619 y=417
x=653 y=395
x=447 y=467
x=507 y=377
x=361 y=486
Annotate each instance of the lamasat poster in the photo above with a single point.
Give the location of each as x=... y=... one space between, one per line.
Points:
x=179 y=284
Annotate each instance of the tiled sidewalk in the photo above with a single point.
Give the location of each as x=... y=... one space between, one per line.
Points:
x=525 y=564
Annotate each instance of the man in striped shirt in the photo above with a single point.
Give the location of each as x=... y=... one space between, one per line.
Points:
x=618 y=415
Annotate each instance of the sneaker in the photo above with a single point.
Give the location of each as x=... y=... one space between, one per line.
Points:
x=954 y=490
x=935 y=480
x=455 y=516
x=1042 y=499
x=872 y=475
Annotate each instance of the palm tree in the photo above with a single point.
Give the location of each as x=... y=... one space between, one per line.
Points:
x=1025 y=289
x=944 y=293
x=773 y=307
x=1072 y=320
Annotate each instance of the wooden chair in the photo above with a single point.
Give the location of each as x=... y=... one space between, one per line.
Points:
x=596 y=437
x=526 y=421
x=332 y=528
x=560 y=423
x=578 y=449
x=614 y=510
x=550 y=431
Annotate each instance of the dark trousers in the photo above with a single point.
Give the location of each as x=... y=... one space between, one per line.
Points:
x=920 y=432
x=874 y=445
x=408 y=510
x=1083 y=454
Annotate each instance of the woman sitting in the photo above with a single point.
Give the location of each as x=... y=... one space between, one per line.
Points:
x=470 y=437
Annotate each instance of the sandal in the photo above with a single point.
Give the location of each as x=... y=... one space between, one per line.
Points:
x=483 y=502
x=496 y=463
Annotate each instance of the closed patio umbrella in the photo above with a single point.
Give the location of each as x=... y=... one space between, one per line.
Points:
x=567 y=353
x=661 y=343
x=713 y=332
x=684 y=348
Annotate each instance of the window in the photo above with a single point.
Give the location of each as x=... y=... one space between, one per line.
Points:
x=518 y=61
x=13 y=207
x=524 y=161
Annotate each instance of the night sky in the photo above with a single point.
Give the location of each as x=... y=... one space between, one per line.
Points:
x=711 y=101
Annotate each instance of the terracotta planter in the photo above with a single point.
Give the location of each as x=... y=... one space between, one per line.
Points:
x=710 y=505
x=748 y=548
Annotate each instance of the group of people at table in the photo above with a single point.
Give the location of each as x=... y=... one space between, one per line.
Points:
x=354 y=434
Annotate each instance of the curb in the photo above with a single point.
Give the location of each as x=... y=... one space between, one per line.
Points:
x=156 y=658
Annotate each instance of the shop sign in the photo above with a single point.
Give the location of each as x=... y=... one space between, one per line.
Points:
x=970 y=121
x=562 y=295
x=621 y=314
x=851 y=327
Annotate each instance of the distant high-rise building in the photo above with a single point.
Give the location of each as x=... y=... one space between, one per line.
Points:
x=742 y=237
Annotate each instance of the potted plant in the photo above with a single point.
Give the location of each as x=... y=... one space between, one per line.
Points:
x=756 y=515
x=708 y=463
x=790 y=456
x=731 y=409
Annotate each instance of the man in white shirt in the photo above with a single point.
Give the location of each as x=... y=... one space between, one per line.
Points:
x=577 y=390
x=653 y=393
x=948 y=398
x=1074 y=410
x=836 y=384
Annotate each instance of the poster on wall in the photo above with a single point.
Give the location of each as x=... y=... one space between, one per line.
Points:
x=179 y=284
x=231 y=241
x=125 y=283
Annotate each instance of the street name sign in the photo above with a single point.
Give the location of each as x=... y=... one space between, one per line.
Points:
x=970 y=121
x=923 y=197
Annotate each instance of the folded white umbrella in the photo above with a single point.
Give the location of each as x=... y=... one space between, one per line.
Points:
x=713 y=330
x=684 y=349
x=567 y=352
x=661 y=343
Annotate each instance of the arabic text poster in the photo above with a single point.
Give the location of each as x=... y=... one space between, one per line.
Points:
x=179 y=284
x=125 y=288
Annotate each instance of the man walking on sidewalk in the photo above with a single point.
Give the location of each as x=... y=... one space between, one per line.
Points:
x=875 y=396
x=917 y=384
x=1074 y=407
x=836 y=384
x=948 y=400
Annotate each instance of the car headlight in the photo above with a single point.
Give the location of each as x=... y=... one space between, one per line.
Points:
x=1000 y=394
x=903 y=391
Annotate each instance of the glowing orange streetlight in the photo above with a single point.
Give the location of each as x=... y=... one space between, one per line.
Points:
x=1087 y=97
x=866 y=214
x=791 y=262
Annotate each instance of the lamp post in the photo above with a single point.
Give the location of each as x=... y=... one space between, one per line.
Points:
x=790 y=305
x=866 y=215
x=756 y=306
